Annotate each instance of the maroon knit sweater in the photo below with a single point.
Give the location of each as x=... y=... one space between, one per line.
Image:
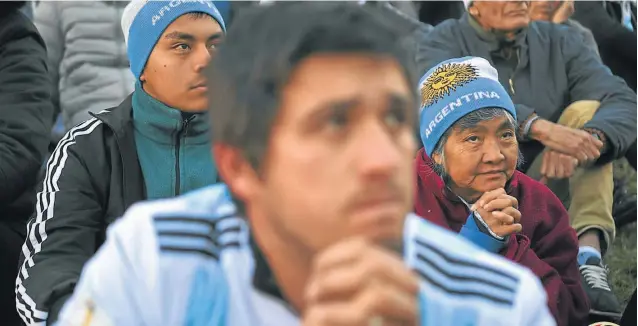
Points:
x=547 y=244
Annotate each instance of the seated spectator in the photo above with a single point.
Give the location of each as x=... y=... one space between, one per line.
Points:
x=329 y=103
x=25 y=120
x=560 y=12
x=87 y=56
x=468 y=128
x=574 y=117
x=613 y=24
x=155 y=144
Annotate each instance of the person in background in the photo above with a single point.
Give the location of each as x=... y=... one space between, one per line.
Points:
x=468 y=129
x=26 y=115
x=436 y=12
x=154 y=145
x=560 y=12
x=574 y=117
x=613 y=24
x=87 y=56
x=330 y=103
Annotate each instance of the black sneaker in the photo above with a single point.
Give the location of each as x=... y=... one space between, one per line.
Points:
x=602 y=301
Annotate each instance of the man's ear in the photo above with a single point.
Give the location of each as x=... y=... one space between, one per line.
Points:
x=235 y=171
x=473 y=11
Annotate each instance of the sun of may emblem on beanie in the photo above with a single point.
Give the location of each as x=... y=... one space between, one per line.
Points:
x=454 y=88
x=446 y=78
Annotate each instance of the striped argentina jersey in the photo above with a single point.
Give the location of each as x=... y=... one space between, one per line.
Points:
x=188 y=261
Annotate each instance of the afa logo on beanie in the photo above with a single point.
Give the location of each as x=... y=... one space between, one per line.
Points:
x=454 y=88
x=144 y=21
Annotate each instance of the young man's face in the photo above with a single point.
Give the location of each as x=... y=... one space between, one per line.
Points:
x=340 y=156
x=174 y=70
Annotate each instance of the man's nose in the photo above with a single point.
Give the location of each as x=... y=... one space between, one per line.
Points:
x=378 y=152
x=202 y=58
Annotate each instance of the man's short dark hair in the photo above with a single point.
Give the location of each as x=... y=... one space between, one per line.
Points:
x=264 y=46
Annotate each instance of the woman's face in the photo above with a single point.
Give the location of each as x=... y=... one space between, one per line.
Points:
x=480 y=158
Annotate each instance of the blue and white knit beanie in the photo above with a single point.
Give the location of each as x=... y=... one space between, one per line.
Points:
x=144 y=21
x=454 y=88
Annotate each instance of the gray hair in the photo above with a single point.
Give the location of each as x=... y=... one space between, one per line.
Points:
x=469 y=121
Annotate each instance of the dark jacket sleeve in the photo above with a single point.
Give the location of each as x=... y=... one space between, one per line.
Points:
x=589 y=79
x=26 y=111
x=551 y=255
x=64 y=232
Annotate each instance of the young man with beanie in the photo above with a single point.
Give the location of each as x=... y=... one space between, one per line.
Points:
x=154 y=145
x=313 y=135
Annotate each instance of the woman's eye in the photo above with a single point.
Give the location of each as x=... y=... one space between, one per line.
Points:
x=508 y=134
x=472 y=139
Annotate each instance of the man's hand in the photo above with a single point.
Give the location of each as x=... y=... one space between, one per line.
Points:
x=356 y=282
x=557 y=166
x=500 y=211
x=563 y=12
x=573 y=142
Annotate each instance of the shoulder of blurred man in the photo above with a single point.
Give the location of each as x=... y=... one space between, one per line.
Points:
x=428 y=247
x=157 y=241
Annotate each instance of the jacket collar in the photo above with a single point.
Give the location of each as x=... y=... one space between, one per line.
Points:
x=117 y=118
x=161 y=123
x=495 y=41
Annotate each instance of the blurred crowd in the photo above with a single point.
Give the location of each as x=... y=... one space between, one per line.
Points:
x=100 y=109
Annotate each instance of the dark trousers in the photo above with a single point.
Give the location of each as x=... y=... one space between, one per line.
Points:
x=10 y=246
x=629 y=316
x=631 y=155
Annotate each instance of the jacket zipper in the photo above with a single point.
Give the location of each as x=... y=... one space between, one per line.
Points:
x=511 y=80
x=178 y=145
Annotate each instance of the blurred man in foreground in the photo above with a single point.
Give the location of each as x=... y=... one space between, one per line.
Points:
x=313 y=133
